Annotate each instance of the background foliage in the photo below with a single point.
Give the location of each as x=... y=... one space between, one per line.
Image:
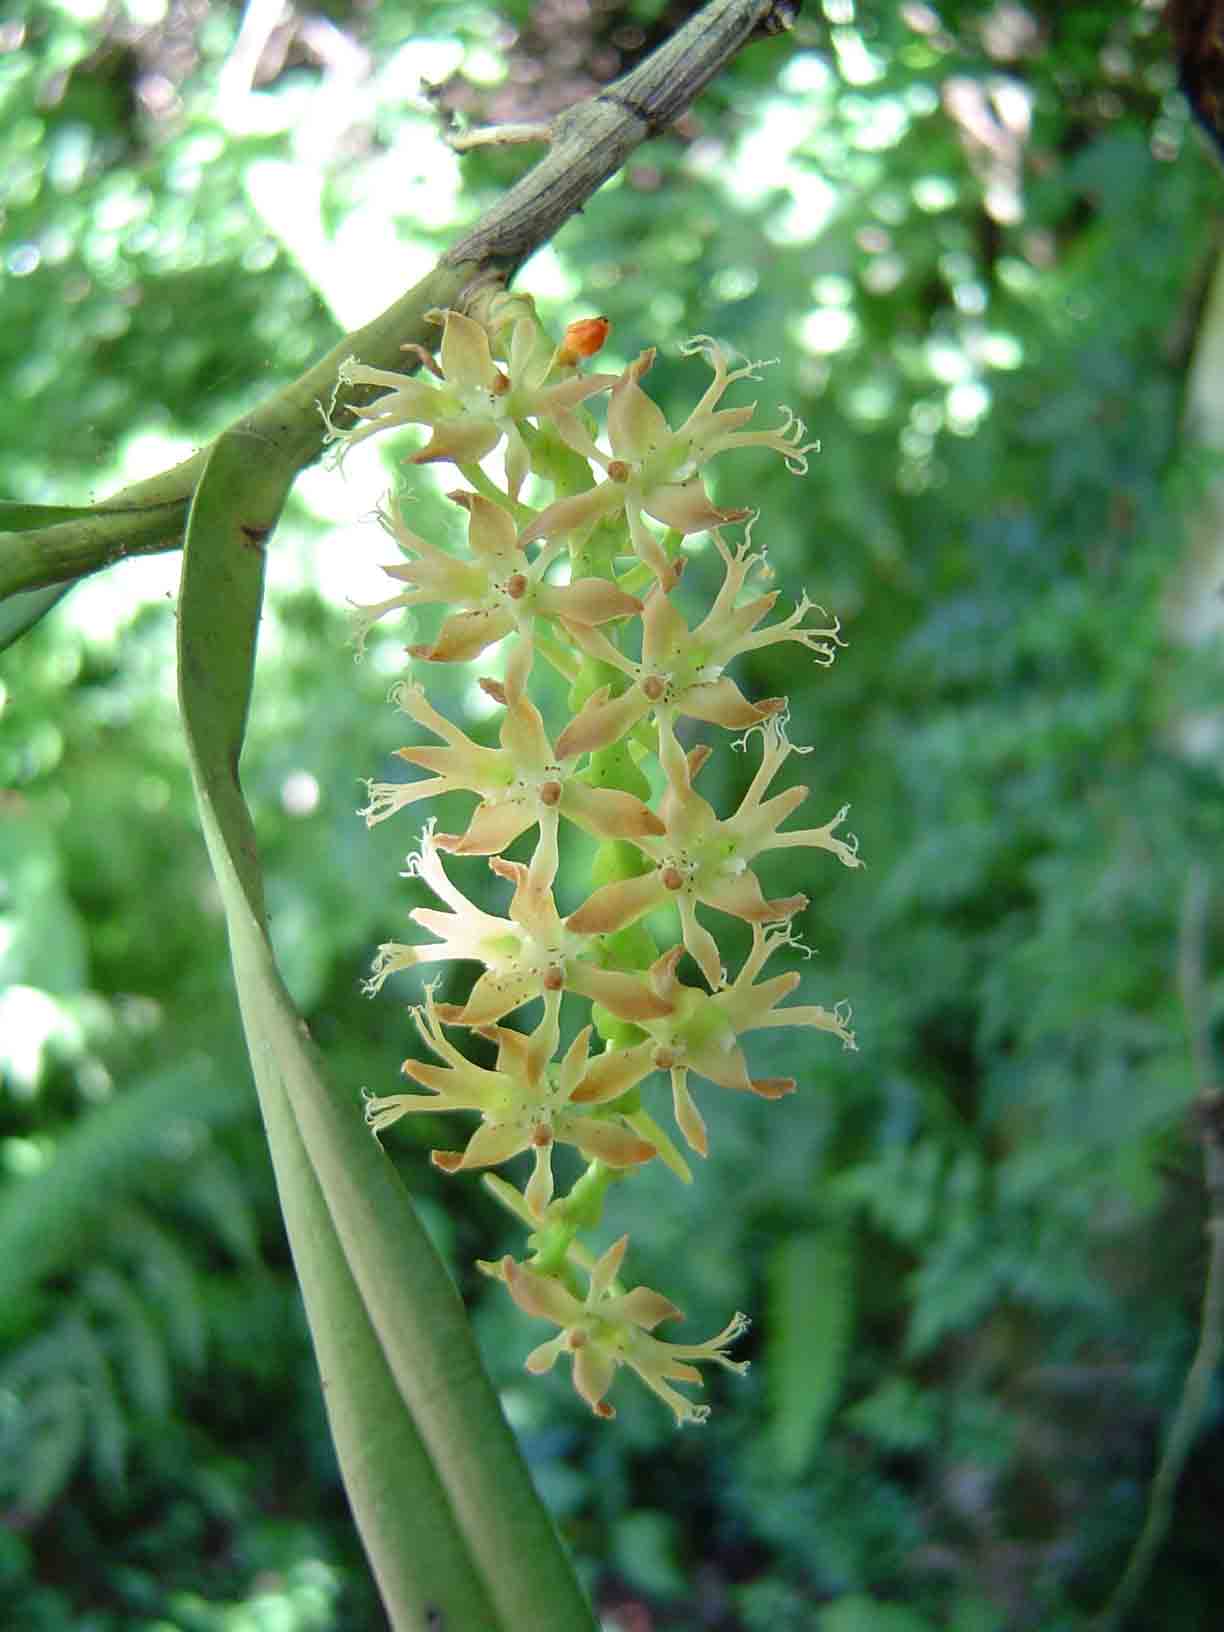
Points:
x=978 y=237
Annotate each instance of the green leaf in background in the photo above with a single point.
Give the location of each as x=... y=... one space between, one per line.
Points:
x=811 y=1322
x=863 y=1614
x=59 y=1427
x=899 y=1416
x=42 y=940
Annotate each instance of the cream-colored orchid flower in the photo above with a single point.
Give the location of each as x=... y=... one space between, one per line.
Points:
x=494 y=592
x=516 y=968
x=524 y=1101
x=705 y=859
x=653 y=470
x=525 y=955
x=609 y=1329
x=683 y=669
x=669 y=675
x=469 y=403
x=729 y=629
x=702 y=1030
x=522 y=783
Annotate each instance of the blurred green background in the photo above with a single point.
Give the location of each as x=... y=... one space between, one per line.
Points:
x=980 y=239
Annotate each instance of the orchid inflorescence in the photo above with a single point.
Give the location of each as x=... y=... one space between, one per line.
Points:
x=585 y=585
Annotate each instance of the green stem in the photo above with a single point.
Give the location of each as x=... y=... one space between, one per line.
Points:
x=582 y=1209
x=631 y=949
x=488 y=489
x=565 y=663
x=639 y=578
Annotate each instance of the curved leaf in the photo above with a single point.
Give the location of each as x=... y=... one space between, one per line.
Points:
x=19 y=613
x=444 y=1503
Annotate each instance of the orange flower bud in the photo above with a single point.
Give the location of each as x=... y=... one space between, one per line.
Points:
x=582 y=339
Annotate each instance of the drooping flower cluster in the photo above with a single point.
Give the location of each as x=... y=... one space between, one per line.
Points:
x=585 y=585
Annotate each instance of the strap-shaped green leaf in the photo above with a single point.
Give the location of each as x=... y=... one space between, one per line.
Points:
x=111 y=530
x=454 y=1530
x=811 y=1322
x=17 y=517
x=19 y=613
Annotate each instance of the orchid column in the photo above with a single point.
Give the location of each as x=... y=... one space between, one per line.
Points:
x=586 y=586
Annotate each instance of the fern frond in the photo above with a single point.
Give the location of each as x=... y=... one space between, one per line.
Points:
x=131 y=1336
x=166 y=1275
x=47 y=1221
